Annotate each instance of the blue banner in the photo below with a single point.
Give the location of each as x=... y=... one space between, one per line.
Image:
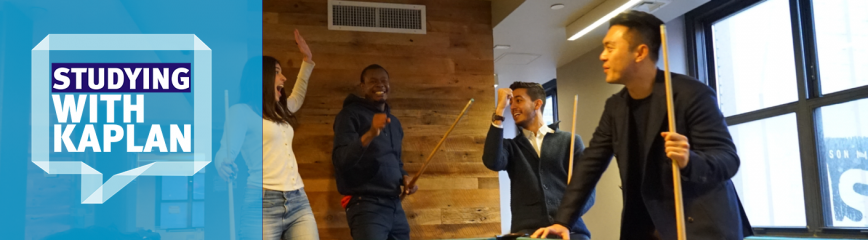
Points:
x=120 y=77
x=113 y=115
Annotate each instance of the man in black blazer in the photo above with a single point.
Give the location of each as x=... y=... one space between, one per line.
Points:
x=536 y=160
x=634 y=129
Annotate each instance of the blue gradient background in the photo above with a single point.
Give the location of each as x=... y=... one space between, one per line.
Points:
x=36 y=205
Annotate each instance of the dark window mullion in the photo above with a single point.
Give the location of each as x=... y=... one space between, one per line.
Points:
x=805 y=120
x=839 y=97
x=710 y=69
x=812 y=169
x=761 y=114
x=693 y=37
x=809 y=41
x=555 y=106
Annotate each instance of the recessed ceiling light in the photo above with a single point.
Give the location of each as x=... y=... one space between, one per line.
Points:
x=501 y=46
x=557 y=6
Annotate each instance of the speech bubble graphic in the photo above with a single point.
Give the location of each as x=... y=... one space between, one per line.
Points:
x=93 y=190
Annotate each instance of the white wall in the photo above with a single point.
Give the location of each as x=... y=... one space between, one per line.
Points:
x=584 y=77
x=677 y=48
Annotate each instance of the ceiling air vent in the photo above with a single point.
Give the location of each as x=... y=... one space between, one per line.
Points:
x=376 y=17
x=651 y=6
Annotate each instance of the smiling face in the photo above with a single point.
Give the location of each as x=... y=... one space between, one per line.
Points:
x=279 y=80
x=619 y=59
x=523 y=108
x=375 y=85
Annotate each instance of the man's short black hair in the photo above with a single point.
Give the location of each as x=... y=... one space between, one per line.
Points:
x=534 y=90
x=371 y=67
x=644 y=28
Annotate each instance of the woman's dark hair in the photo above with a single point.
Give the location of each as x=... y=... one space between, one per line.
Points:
x=269 y=109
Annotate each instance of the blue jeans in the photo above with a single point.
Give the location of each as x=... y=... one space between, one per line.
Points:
x=285 y=216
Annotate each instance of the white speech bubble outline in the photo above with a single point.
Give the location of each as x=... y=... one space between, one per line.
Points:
x=93 y=191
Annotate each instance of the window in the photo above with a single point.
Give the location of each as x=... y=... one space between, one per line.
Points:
x=550 y=111
x=753 y=56
x=177 y=206
x=842 y=31
x=794 y=93
x=843 y=133
x=769 y=180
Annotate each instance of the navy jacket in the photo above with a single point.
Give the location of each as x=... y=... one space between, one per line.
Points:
x=537 y=181
x=373 y=170
x=711 y=206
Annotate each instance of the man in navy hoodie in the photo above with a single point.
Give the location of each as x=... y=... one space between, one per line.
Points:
x=367 y=159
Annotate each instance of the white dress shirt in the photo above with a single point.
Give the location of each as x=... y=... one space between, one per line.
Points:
x=535 y=138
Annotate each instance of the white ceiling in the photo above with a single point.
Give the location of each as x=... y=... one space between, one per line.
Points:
x=533 y=28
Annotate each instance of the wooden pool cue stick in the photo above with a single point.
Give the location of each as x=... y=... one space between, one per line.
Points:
x=231 y=194
x=430 y=156
x=676 y=170
x=572 y=140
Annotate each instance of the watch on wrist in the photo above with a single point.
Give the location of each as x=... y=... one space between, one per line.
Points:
x=495 y=117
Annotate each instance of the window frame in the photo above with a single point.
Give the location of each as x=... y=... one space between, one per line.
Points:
x=551 y=88
x=159 y=200
x=700 y=57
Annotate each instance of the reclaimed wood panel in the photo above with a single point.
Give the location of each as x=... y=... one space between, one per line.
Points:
x=433 y=76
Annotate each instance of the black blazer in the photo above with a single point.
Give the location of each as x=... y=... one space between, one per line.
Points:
x=711 y=206
x=537 y=181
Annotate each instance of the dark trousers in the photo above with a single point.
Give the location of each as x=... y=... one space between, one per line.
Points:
x=375 y=218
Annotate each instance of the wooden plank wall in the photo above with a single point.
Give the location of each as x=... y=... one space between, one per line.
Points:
x=433 y=76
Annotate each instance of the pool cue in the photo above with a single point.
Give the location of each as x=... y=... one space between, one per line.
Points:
x=231 y=194
x=572 y=140
x=430 y=156
x=676 y=170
